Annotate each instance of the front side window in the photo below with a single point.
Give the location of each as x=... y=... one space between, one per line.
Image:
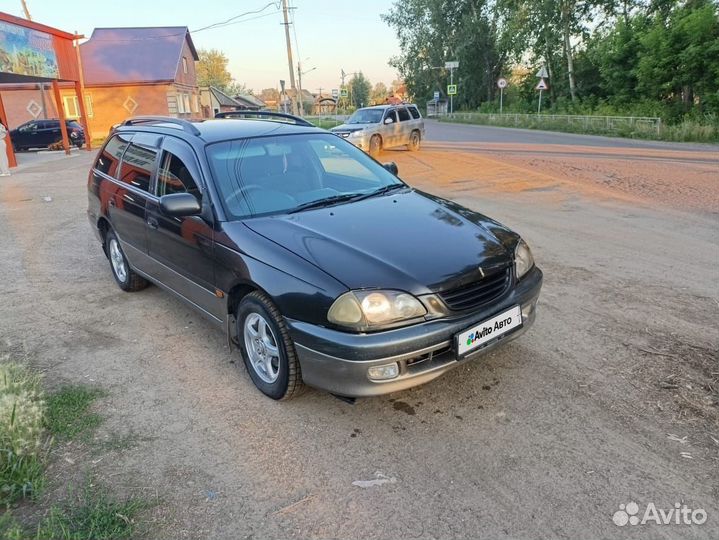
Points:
x=273 y=175
x=111 y=154
x=393 y=115
x=138 y=163
x=175 y=177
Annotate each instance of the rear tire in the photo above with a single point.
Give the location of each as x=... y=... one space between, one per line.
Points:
x=414 y=141
x=125 y=277
x=267 y=348
x=375 y=145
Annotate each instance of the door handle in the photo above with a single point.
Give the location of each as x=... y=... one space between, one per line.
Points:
x=152 y=222
x=111 y=202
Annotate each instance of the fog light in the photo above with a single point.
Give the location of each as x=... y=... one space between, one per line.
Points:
x=382 y=373
x=528 y=309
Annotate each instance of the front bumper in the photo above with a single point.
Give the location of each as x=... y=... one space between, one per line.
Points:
x=339 y=361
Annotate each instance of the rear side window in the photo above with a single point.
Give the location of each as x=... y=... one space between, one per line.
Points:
x=138 y=164
x=414 y=112
x=110 y=156
x=403 y=114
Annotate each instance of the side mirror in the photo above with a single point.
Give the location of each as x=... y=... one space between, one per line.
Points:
x=388 y=120
x=391 y=167
x=180 y=205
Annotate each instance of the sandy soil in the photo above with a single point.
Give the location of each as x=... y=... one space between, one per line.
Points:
x=612 y=397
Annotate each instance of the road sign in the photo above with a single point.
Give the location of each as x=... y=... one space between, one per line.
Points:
x=451 y=89
x=542 y=73
x=343 y=92
x=335 y=93
x=451 y=65
x=502 y=83
x=436 y=95
x=541 y=85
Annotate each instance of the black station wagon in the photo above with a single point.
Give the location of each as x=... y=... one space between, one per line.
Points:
x=319 y=263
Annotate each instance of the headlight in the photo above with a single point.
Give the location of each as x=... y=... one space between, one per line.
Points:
x=523 y=260
x=358 y=133
x=364 y=310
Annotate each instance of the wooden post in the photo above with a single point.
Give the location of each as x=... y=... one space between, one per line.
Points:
x=61 y=115
x=8 y=143
x=80 y=93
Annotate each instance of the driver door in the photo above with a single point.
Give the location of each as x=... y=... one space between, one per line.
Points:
x=181 y=248
x=389 y=131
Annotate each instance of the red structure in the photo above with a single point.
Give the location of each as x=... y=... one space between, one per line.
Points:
x=33 y=53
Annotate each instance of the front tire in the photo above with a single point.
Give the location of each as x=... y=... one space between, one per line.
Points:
x=267 y=349
x=414 y=141
x=375 y=145
x=125 y=277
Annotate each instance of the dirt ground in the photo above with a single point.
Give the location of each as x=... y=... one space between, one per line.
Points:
x=612 y=397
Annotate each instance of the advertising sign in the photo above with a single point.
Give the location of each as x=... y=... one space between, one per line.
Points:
x=27 y=52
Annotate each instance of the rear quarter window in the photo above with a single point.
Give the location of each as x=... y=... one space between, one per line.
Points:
x=111 y=154
x=414 y=112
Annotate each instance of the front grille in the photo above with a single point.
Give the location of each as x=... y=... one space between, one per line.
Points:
x=478 y=293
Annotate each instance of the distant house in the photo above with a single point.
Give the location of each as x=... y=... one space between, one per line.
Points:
x=213 y=100
x=138 y=71
x=250 y=102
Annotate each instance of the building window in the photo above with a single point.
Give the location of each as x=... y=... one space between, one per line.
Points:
x=184 y=64
x=72 y=108
x=186 y=98
x=195 y=103
x=180 y=104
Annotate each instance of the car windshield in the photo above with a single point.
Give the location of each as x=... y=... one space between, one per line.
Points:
x=366 y=116
x=282 y=174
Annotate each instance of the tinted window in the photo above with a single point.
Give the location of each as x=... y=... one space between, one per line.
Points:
x=138 y=162
x=403 y=114
x=28 y=127
x=110 y=156
x=272 y=175
x=414 y=112
x=175 y=177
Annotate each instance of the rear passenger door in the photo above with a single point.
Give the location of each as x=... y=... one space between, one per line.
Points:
x=132 y=190
x=405 y=126
x=181 y=248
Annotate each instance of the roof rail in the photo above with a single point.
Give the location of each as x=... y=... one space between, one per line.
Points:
x=269 y=115
x=186 y=125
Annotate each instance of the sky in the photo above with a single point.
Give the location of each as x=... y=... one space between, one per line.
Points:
x=331 y=34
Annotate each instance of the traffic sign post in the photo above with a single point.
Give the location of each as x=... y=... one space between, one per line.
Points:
x=451 y=66
x=501 y=84
x=541 y=86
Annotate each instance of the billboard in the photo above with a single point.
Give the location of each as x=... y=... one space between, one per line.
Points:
x=27 y=52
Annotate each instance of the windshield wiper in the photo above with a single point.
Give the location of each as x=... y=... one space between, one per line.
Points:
x=329 y=201
x=382 y=191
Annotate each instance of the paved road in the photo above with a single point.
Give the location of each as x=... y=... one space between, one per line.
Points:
x=449 y=132
x=610 y=398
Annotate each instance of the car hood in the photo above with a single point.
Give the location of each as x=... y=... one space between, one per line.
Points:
x=409 y=241
x=349 y=128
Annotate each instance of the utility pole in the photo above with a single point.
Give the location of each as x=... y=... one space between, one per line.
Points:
x=26 y=10
x=289 y=56
x=299 y=88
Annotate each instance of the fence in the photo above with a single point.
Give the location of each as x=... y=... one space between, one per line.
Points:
x=585 y=124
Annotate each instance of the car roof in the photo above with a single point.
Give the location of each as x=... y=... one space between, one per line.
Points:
x=211 y=131
x=388 y=106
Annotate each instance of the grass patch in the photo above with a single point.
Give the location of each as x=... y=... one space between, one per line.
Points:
x=687 y=131
x=68 y=411
x=22 y=413
x=324 y=123
x=91 y=514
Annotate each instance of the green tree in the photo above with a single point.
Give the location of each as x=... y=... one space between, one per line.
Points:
x=379 y=93
x=360 y=89
x=212 y=69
